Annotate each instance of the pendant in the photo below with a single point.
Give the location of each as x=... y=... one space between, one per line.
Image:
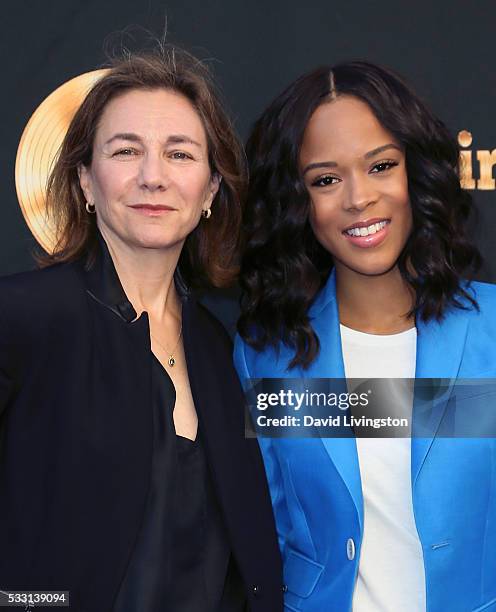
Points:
x=171 y=361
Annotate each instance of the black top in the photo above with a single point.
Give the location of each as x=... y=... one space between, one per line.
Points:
x=76 y=438
x=181 y=557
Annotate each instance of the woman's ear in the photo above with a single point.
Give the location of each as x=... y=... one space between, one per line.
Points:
x=85 y=182
x=215 y=181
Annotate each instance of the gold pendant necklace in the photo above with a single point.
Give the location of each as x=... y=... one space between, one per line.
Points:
x=172 y=360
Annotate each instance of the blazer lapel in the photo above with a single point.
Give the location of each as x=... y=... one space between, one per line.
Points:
x=329 y=364
x=198 y=377
x=440 y=347
x=204 y=365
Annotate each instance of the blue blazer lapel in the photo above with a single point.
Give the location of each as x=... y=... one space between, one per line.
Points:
x=440 y=347
x=329 y=364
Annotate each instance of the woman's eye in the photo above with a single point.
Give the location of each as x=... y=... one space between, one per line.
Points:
x=325 y=181
x=126 y=151
x=384 y=165
x=180 y=155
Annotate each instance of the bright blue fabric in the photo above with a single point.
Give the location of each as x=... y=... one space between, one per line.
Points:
x=315 y=483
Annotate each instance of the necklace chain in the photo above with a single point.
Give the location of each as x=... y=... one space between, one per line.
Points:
x=172 y=360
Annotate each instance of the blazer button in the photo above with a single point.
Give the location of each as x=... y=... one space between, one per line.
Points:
x=256 y=590
x=284 y=588
x=350 y=549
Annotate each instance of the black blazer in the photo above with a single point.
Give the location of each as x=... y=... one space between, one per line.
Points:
x=75 y=456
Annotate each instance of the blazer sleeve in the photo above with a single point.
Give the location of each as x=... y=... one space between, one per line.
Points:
x=269 y=454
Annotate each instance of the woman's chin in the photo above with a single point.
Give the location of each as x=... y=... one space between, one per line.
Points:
x=154 y=240
x=372 y=268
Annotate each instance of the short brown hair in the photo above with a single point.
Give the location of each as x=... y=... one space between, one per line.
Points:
x=209 y=256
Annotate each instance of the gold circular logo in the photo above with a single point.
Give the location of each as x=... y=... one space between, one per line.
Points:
x=38 y=149
x=464 y=138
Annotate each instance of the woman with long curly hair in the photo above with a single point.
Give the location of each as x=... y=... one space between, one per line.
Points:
x=357 y=264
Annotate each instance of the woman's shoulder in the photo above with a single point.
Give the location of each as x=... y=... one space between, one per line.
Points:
x=36 y=278
x=30 y=295
x=208 y=325
x=271 y=361
x=484 y=293
x=484 y=314
x=481 y=319
x=480 y=339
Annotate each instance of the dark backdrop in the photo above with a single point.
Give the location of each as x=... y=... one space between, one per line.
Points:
x=444 y=48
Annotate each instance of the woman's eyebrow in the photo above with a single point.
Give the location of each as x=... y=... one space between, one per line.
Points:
x=381 y=149
x=323 y=164
x=181 y=138
x=123 y=136
x=172 y=139
x=368 y=155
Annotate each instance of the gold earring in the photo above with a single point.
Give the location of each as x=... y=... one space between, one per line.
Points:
x=206 y=213
x=90 y=208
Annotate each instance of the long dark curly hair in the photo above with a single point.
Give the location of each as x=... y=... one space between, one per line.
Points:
x=283 y=266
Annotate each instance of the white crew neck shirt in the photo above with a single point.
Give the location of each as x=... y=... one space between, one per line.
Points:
x=391 y=568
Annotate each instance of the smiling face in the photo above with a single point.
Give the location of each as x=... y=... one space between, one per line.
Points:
x=149 y=178
x=355 y=173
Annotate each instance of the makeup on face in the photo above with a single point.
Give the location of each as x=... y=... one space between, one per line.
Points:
x=355 y=173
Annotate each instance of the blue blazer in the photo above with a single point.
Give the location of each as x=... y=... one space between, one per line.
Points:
x=316 y=488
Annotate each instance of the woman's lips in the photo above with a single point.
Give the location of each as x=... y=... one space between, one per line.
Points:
x=371 y=240
x=151 y=210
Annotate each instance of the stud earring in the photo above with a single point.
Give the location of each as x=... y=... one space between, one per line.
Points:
x=90 y=208
x=206 y=213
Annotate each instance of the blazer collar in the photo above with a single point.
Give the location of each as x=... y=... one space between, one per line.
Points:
x=325 y=296
x=103 y=284
x=440 y=344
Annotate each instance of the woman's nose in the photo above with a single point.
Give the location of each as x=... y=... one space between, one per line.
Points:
x=361 y=193
x=153 y=173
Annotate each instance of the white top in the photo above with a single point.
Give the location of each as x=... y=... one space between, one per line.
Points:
x=391 y=567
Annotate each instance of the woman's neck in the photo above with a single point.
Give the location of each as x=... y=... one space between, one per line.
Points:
x=374 y=304
x=147 y=277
